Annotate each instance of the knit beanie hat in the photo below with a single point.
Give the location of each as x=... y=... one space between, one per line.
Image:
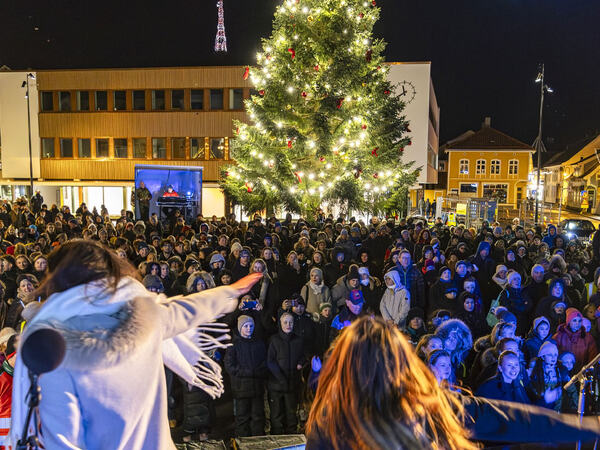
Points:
x=353 y=273
x=539 y=320
x=153 y=281
x=415 y=312
x=511 y=275
x=500 y=267
x=363 y=271
x=505 y=315
x=318 y=271
x=571 y=314
x=324 y=305
x=546 y=348
x=443 y=269
x=236 y=246
x=242 y=320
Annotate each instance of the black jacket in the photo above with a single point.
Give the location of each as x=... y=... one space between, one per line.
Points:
x=246 y=363
x=496 y=388
x=285 y=353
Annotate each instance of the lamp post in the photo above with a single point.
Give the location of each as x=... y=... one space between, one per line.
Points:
x=538 y=144
x=26 y=86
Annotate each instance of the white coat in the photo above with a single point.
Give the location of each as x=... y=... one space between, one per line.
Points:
x=395 y=302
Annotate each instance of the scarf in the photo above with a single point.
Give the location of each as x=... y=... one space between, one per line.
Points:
x=185 y=354
x=316 y=288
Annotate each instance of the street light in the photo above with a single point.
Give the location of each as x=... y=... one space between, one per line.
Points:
x=25 y=85
x=538 y=144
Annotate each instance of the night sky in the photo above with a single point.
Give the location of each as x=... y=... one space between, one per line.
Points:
x=484 y=53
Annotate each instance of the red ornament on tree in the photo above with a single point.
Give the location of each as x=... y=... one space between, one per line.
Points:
x=369 y=55
x=378 y=67
x=409 y=142
x=289 y=143
x=237 y=130
x=364 y=126
x=374 y=3
x=322 y=159
x=357 y=173
x=246 y=73
x=304 y=94
x=298 y=177
x=317 y=67
x=386 y=92
x=401 y=149
x=339 y=103
x=374 y=151
x=361 y=15
x=292 y=51
x=248 y=187
x=261 y=92
x=375 y=175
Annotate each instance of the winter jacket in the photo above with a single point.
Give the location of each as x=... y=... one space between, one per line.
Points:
x=580 y=343
x=341 y=321
x=285 y=353
x=496 y=388
x=412 y=280
x=246 y=363
x=475 y=321
x=395 y=303
x=533 y=344
x=314 y=299
x=519 y=304
x=438 y=299
x=341 y=291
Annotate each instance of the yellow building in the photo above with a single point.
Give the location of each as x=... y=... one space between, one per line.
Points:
x=491 y=165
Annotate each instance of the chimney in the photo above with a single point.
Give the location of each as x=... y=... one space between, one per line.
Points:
x=487 y=122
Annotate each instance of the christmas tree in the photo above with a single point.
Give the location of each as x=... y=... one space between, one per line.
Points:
x=326 y=127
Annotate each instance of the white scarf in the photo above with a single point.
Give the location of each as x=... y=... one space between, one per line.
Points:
x=184 y=354
x=316 y=288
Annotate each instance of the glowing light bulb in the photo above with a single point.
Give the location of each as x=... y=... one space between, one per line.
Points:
x=279 y=124
x=311 y=144
x=305 y=10
x=290 y=89
x=368 y=186
x=328 y=166
x=311 y=191
x=311 y=176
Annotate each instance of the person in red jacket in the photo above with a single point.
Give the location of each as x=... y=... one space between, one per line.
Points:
x=572 y=337
x=6 y=384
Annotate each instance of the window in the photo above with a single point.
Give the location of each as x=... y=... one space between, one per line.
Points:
x=197 y=99
x=120 y=148
x=480 y=167
x=178 y=148
x=216 y=99
x=463 y=166
x=139 y=148
x=120 y=100
x=197 y=148
x=102 y=148
x=442 y=166
x=84 y=147
x=431 y=157
x=64 y=101
x=495 y=167
x=83 y=101
x=66 y=148
x=47 y=101
x=513 y=167
x=217 y=148
x=48 y=147
x=158 y=100
x=498 y=192
x=159 y=148
x=236 y=99
x=468 y=188
x=139 y=100
x=177 y=99
x=101 y=101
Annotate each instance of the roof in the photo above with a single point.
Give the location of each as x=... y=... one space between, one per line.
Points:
x=558 y=158
x=489 y=138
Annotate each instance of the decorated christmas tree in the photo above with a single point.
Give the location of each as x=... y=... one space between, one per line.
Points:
x=326 y=127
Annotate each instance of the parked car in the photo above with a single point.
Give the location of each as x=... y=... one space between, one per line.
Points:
x=581 y=229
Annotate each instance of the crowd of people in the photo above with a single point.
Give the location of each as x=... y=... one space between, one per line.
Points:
x=508 y=313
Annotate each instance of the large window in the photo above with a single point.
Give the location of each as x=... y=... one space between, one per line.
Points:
x=101 y=101
x=120 y=147
x=463 y=166
x=83 y=101
x=468 y=188
x=513 y=167
x=48 y=147
x=217 y=148
x=178 y=148
x=495 y=167
x=216 y=99
x=84 y=148
x=102 y=148
x=236 y=99
x=47 y=101
x=197 y=150
x=139 y=100
x=432 y=157
x=480 y=167
x=498 y=192
x=66 y=148
x=158 y=99
x=159 y=148
x=139 y=148
x=120 y=100
x=197 y=99
x=64 y=101
x=177 y=99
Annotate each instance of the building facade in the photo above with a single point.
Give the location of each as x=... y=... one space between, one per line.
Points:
x=489 y=164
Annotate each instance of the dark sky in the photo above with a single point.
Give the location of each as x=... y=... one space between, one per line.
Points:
x=485 y=53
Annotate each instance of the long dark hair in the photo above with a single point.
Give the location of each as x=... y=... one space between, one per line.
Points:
x=83 y=261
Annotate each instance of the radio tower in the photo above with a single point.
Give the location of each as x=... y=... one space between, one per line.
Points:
x=221 y=39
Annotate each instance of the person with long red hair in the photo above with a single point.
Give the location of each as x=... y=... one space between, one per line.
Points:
x=375 y=393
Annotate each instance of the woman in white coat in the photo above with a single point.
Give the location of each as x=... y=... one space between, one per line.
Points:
x=395 y=302
x=110 y=390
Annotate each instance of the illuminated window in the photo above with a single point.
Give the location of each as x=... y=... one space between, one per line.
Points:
x=495 y=167
x=217 y=148
x=197 y=148
x=480 y=167
x=498 y=192
x=468 y=188
x=513 y=167
x=463 y=166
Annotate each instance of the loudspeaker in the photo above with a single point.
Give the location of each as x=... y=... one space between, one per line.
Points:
x=289 y=442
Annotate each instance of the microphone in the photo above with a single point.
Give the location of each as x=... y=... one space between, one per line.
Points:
x=43 y=351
